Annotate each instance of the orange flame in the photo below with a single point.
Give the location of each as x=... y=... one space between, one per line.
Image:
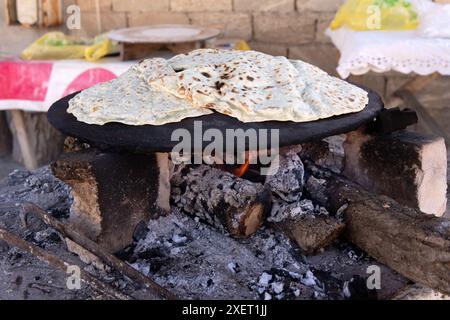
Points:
x=239 y=172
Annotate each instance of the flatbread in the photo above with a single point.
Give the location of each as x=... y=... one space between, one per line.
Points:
x=248 y=85
x=255 y=87
x=130 y=100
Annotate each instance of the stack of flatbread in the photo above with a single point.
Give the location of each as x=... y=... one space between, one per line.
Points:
x=248 y=85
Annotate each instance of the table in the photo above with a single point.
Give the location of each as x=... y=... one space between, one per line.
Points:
x=382 y=51
x=35 y=85
x=407 y=52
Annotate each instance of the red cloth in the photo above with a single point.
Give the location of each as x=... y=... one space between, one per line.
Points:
x=36 y=85
x=24 y=81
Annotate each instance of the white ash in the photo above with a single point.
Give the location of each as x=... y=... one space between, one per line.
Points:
x=287 y=183
x=264 y=279
x=346 y=290
x=39 y=187
x=142 y=266
x=282 y=211
x=234 y=267
x=210 y=265
x=309 y=279
x=280 y=284
x=352 y=255
x=278 y=287
x=177 y=239
x=39 y=281
x=47 y=235
x=287 y=190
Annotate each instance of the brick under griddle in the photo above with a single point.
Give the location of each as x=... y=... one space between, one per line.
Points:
x=112 y=190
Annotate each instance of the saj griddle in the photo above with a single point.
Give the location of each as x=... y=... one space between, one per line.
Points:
x=151 y=138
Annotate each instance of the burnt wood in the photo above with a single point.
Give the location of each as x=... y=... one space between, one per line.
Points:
x=230 y=204
x=149 y=138
x=414 y=244
x=310 y=232
x=409 y=167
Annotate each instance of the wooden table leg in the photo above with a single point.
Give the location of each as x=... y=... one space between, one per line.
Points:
x=28 y=155
x=419 y=83
x=5 y=135
x=414 y=85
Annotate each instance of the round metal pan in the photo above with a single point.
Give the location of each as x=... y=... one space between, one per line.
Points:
x=163 y=33
x=149 y=138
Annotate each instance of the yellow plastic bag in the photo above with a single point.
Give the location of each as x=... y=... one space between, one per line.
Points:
x=56 y=46
x=102 y=47
x=242 y=45
x=361 y=15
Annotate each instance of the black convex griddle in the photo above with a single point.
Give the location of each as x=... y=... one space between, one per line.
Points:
x=150 y=138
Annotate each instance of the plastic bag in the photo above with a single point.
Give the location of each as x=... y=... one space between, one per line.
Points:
x=362 y=15
x=57 y=46
x=102 y=47
x=242 y=45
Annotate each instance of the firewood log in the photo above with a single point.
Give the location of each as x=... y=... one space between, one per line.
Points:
x=311 y=233
x=221 y=199
x=299 y=219
x=412 y=243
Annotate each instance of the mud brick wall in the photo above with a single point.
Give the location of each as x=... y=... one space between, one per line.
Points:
x=292 y=28
x=15 y=38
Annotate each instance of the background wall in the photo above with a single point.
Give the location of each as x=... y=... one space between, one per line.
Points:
x=293 y=28
x=15 y=38
x=280 y=27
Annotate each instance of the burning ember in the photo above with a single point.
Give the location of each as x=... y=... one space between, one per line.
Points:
x=239 y=172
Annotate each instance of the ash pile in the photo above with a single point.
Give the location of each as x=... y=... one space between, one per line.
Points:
x=226 y=238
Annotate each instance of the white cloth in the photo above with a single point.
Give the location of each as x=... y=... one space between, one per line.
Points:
x=434 y=18
x=383 y=51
